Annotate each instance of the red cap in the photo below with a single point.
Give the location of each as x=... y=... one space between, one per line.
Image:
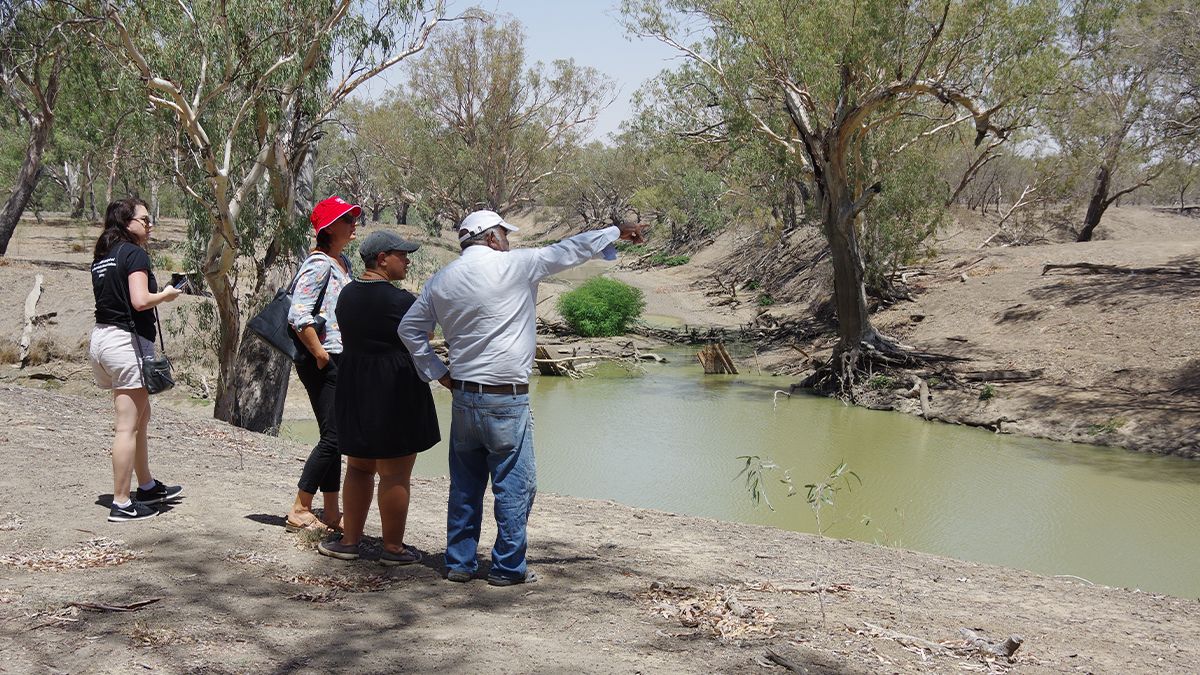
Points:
x=330 y=210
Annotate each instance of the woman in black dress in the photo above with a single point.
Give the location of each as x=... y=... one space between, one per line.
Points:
x=384 y=412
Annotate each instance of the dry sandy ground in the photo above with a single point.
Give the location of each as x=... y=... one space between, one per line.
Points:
x=622 y=590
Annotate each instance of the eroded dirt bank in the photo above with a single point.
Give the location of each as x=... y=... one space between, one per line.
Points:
x=622 y=590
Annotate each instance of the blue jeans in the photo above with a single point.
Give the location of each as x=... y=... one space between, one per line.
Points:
x=491 y=435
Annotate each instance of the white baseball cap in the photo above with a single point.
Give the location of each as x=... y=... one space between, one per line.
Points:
x=478 y=222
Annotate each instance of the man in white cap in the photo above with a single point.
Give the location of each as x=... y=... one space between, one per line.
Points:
x=485 y=302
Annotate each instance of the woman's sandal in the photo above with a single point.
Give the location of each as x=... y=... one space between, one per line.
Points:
x=313 y=524
x=319 y=514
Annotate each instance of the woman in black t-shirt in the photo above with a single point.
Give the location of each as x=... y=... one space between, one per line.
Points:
x=126 y=295
x=384 y=412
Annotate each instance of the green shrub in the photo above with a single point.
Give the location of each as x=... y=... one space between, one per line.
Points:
x=601 y=307
x=764 y=300
x=987 y=393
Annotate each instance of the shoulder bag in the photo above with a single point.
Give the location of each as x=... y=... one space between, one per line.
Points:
x=156 y=373
x=272 y=325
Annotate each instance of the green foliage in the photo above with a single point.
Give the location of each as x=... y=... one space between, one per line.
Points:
x=601 y=307
x=687 y=198
x=906 y=214
x=823 y=492
x=764 y=300
x=819 y=494
x=987 y=393
x=881 y=382
x=666 y=260
x=600 y=181
x=755 y=472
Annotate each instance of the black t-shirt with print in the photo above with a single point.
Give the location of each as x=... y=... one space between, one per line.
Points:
x=110 y=284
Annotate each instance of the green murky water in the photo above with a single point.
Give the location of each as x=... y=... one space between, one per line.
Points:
x=669 y=439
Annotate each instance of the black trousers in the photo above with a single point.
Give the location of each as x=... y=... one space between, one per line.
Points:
x=323 y=469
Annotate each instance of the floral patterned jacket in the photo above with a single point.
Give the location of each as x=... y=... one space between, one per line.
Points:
x=309 y=281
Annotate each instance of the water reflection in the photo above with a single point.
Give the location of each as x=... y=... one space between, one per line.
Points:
x=669 y=439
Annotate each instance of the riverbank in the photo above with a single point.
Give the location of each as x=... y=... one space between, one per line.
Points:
x=622 y=589
x=1099 y=356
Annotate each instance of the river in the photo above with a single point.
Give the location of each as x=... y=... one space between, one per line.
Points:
x=669 y=438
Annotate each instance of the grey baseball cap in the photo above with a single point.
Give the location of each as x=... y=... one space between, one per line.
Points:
x=382 y=241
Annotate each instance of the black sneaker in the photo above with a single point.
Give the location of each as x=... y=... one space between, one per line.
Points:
x=135 y=511
x=158 y=494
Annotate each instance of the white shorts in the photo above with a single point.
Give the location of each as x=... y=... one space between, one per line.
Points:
x=115 y=363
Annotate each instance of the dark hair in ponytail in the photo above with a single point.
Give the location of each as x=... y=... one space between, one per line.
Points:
x=116 y=226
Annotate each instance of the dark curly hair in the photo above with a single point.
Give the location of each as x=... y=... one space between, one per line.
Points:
x=116 y=226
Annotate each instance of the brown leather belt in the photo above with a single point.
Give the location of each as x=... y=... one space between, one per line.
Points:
x=489 y=388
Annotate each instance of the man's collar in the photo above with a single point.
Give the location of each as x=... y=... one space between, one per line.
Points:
x=477 y=250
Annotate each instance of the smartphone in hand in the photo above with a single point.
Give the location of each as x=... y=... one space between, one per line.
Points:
x=181 y=283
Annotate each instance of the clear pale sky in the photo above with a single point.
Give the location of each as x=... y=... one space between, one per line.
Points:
x=585 y=30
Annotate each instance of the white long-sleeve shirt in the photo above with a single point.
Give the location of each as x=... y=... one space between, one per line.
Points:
x=485 y=302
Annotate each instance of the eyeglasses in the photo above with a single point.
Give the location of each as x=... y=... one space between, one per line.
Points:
x=145 y=219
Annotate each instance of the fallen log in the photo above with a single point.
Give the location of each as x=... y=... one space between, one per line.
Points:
x=1005 y=649
x=30 y=314
x=910 y=640
x=1001 y=375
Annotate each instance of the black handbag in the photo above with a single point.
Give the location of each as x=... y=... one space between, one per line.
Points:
x=156 y=373
x=271 y=324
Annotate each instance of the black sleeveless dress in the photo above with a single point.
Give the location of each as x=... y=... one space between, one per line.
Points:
x=383 y=409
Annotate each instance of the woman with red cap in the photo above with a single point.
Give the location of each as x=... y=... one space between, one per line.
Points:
x=315 y=295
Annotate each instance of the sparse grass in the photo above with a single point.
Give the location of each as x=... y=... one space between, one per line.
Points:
x=10 y=350
x=1107 y=427
x=987 y=393
x=764 y=300
x=669 y=261
x=42 y=350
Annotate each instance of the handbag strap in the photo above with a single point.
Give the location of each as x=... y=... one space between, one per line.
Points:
x=324 y=287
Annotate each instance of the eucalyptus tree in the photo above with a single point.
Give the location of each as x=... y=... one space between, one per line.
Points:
x=600 y=182
x=819 y=78
x=1174 y=30
x=1107 y=125
x=35 y=50
x=245 y=86
x=385 y=134
x=487 y=131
